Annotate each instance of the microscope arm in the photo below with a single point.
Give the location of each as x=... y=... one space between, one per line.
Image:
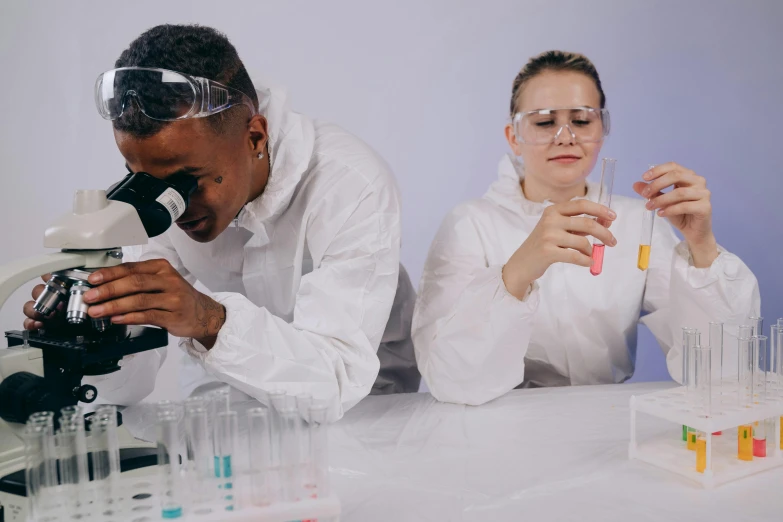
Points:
x=15 y=274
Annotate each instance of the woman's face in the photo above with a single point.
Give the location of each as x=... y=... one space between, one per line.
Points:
x=563 y=162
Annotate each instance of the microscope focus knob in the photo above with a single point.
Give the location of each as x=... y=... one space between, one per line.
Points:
x=86 y=393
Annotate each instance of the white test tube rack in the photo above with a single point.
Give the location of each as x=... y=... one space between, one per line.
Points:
x=141 y=501
x=722 y=465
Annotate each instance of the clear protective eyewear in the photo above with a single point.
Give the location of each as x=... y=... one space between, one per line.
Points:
x=543 y=126
x=163 y=95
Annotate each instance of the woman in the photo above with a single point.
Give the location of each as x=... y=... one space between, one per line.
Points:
x=507 y=298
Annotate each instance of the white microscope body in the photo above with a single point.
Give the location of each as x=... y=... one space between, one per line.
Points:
x=88 y=238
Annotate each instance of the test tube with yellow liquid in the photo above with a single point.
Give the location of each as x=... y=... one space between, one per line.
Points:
x=701 y=454
x=745 y=442
x=645 y=241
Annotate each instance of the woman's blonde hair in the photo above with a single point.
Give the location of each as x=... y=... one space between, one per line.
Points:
x=554 y=61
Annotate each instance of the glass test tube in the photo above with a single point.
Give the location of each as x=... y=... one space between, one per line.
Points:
x=760 y=371
x=716 y=345
x=228 y=429
x=645 y=241
x=691 y=337
x=277 y=400
x=701 y=454
x=258 y=452
x=319 y=448
x=219 y=402
x=757 y=324
x=303 y=403
x=169 y=466
x=745 y=372
x=106 y=457
x=702 y=377
x=290 y=445
x=688 y=339
x=40 y=462
x=72 y=444
x=200 y=458
x=604 y=198
x=49 y=448
x=774 y=362
x=745 y=442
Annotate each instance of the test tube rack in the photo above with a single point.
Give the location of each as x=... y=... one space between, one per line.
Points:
x=722 y=464
x=141 y=500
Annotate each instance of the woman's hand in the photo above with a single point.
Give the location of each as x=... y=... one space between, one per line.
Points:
x=559 y=237
x=687 y=206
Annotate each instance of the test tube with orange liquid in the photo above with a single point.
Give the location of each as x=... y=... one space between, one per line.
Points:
x=605 y=199
x=645 y=241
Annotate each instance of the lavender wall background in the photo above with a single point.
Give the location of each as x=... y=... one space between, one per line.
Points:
x=427 y=84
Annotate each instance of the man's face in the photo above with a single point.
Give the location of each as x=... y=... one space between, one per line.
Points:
x=222 y=164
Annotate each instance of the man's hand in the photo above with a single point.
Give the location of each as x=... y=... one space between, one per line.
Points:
x=152 y=292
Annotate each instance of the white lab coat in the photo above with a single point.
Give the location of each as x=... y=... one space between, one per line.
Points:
x=308 y=275
x=474 y=341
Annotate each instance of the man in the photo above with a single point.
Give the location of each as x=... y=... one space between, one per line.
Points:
x=294 y=229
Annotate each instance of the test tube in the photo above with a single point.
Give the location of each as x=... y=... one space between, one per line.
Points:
x=220 y=402
x=716 y=345
x=757 y=324
x=199 y=450
x=745 y=442
x=41 y=467
x=227 y=442
x=690 y=337
x=49 y=449
x=760 y=368
x=290 y=444
x=34 y=462
x=106 y=457
x=319 y=448
x=745 y=372
x=169 y=465
x=702 y=376
x=774 y=361
x=303 y=403
x=604 y=198
x=645 y=241
x=701 y=454
x=72 y=444
x=258 y=451
x=277 y=401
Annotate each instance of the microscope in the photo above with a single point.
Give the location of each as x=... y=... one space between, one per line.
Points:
x=43 y=370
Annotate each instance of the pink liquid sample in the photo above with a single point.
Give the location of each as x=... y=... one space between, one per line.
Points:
x=759 y=447
x=598 y=259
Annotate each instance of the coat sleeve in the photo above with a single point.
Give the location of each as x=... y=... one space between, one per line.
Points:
x=677 y=295
x=469 y=332
x=340 y=312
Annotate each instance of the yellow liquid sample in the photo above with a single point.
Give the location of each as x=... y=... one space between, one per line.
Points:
x=781 y=433
x=701 y=455
x=692 y=438
x=643 y=262
x=745 y=442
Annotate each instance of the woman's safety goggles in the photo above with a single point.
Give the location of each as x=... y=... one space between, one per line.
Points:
x=163 y=95
x=581 y=124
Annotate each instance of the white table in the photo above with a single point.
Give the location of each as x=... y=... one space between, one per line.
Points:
x=546 y=454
